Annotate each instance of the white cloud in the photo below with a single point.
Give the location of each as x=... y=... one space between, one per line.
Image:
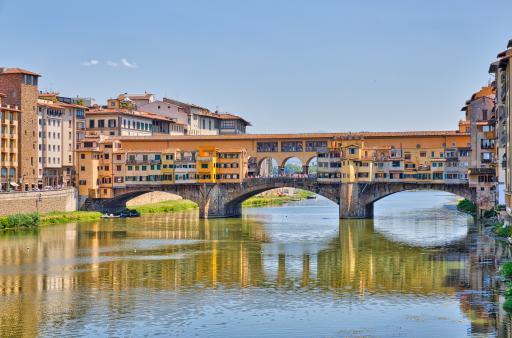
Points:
x=128 y=64
x=111 y=63
x=91 y=62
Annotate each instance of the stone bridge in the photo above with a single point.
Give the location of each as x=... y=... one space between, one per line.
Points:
x=355 y=200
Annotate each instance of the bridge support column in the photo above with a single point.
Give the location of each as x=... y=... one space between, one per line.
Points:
x=305 y=169
x=352 y=201
x=214 y=203
x=280 y=171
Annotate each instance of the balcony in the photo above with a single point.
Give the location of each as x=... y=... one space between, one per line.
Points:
x=490 y=135
x=204 y=158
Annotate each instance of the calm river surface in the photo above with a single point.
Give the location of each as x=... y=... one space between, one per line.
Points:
x=419 y=269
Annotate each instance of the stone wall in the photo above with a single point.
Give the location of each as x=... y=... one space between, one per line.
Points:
x=44 y=201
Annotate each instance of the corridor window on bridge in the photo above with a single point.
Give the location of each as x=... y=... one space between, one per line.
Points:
x=291 y=146
x=314 y=146
x=266 y=147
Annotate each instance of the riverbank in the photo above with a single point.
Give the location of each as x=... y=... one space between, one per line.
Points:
x=165 y=206
x=32 y=220
x=261 y=201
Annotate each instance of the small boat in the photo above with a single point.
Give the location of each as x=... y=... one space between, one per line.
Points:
x=134 y=213
x=129 y=213
x=311 y=197
x=110 y=216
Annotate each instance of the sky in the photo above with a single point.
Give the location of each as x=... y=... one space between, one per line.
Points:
x=286 y=66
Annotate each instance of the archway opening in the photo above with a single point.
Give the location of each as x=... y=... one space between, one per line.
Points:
x=292 y=166
x=268 y=167
x=426 y=218
x=312 y=167
x=159 y=201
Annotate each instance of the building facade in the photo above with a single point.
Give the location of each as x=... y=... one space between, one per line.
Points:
x=125 y=122
x=480 y=113
x=20 y=88
x=103 y=165
x=202 y=121
x=9 y=146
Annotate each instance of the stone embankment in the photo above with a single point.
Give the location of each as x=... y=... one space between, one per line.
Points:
x=43 y=201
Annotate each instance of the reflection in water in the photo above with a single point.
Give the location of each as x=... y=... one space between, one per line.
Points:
x=288 y=271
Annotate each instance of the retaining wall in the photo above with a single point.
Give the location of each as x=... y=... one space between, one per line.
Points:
x=44 y=201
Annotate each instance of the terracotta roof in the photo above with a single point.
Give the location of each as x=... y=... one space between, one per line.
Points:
x=134 y=96
x=484 y=92
x=505 y=54
x=52 y=94
x=228 y=116
x=71 y=105
x=184 y=104
x=50 y=105
x=106 y=111
x=17 y=71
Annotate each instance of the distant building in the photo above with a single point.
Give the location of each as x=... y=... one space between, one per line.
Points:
x=60 y=127
x=232 y=124
x=482 y=167
x=138 y=99
x=124 y=122
x=171 y=111
x=9 y=145
x=20 y=88
x=50 y=145
x=503 y=72
x=201 y=121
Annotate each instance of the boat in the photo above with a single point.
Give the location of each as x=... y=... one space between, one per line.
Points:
x=311 y=197
x=110 y=216
x=129 y=213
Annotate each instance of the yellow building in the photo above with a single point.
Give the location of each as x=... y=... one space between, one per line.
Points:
x=232 y=165
x=168 y=166
x=207 y=164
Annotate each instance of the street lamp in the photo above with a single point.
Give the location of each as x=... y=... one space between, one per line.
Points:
x=39 y=199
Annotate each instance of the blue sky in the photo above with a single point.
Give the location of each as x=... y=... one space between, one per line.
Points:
x=287 y=66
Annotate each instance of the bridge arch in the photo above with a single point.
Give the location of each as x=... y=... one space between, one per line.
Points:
x=236 y=198
x=311 y=160
x=358 y=199
x=311 y=167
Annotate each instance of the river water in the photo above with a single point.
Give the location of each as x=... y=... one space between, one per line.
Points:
x=419 y=269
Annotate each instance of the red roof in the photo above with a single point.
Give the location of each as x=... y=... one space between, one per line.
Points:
x=106 y=111
x=144 y=96
x=17 y=71
x=55 y=105
x=228 y=116
x=71 y=105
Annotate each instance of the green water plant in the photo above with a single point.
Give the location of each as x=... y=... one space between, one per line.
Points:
x=507 y=305
x=506 y=270
x=466 y=206
x=18 y=221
